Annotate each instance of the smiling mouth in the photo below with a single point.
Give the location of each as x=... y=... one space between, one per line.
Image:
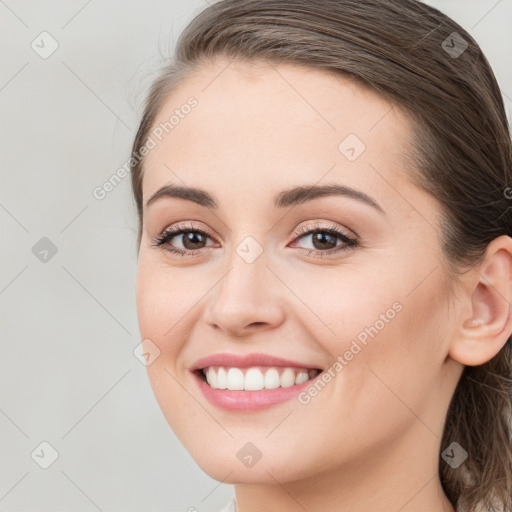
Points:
x=255 y=378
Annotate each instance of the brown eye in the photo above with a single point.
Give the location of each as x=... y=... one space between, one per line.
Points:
x=193 y=240
x=190 y=238
x=325 y=240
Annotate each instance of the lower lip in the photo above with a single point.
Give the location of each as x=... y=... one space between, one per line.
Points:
x=240 y=400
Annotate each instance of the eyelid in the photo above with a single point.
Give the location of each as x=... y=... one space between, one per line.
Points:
x=296 y=232
x=318 y=226
x=179 y=226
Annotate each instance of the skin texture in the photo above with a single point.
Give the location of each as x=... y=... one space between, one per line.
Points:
x=370 y=440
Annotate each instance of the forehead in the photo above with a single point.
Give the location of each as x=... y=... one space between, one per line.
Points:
x=257 y=123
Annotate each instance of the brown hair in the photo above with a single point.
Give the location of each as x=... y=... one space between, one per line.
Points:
x=462 y=154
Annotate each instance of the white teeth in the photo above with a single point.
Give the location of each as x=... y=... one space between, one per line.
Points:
x=301 y=377
x=287 y=378
x=272 y=380
x=212 y=377
x=256 y=378
x=222 y=382
x=234 y=380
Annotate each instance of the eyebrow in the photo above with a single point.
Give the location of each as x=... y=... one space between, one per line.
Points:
x=291 y=197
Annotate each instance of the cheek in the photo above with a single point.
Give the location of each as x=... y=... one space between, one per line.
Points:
x=166 y=302
x=162 y=318
x=386 y=305
x=165 y=298
x=390 y=360
x=345 y=304
x=387 y=339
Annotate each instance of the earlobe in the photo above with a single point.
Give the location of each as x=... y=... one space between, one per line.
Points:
x=484 y=332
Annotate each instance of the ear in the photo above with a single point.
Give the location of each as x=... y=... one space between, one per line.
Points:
x=486 y=323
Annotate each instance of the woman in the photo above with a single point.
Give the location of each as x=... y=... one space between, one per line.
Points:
x=324 y=200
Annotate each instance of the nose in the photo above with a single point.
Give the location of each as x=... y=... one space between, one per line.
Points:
x=246 y=300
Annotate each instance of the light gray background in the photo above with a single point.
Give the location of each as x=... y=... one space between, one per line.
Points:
x=68 y=326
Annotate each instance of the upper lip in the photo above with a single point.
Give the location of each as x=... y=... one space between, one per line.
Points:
x=246 y=361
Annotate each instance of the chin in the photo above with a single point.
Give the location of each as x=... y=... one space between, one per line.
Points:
x=227 y=468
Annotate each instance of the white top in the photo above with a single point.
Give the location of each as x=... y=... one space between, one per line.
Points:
x=229 y=507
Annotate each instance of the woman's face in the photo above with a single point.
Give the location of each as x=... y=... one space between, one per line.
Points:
x=373 y=314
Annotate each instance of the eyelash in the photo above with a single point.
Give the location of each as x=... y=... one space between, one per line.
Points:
x=162 y=239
